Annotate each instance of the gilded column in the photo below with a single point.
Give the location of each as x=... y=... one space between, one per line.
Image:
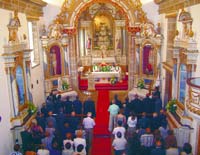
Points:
x=131 y=62
x=72 y=57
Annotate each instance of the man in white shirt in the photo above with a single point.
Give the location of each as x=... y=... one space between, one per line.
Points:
x=119 y=144
x=120 y=129
x=79 y=140
x=89 y=124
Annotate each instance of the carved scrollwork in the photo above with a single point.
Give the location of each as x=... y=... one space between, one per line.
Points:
x=158 y=1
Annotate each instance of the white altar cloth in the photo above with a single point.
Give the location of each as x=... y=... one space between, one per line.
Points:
x=140 y=92
x=72 y=94
x=105 y=74
x=106 y=60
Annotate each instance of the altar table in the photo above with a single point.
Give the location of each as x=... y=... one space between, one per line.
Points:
x=105 y=74
x=106 y=60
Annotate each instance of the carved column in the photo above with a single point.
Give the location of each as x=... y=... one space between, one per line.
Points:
x=9 y=76
x=131 y=62
x=72 y=57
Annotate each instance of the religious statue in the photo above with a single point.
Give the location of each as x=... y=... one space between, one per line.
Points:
x=43 y=30
x=103 y=51
x=88 y=44
x=60 y=83
x=55 y=30
x=15 y=20
x=53 y=62
x=13 y=27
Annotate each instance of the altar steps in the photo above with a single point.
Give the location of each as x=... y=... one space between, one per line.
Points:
x=83 y=85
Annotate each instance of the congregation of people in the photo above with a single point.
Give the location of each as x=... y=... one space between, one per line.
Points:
x=139 y=127
x=60 y=128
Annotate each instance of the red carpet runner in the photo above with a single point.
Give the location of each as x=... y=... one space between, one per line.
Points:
x=101 y=141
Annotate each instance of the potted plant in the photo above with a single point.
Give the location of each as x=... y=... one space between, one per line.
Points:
x=31 y=108
x=65 y=85
x=171 y=106
x=140 y=84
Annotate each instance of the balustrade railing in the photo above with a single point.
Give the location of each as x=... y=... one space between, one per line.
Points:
x=193 y=98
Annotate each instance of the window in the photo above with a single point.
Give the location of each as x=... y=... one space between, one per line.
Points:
x=182 y=84
x=34 y=42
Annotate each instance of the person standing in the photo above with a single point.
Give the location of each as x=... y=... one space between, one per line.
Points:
x=113 y=109
x=68 y=106
x=132 y=122
x=119 y=144
x=117 y=101
x=79 y=141
x=89 y=124
x=77 y=105
x=89 y=106
x=16 y=150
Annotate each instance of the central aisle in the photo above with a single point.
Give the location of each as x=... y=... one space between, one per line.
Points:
x=102 y=141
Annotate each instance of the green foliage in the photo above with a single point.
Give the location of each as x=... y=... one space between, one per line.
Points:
x=113 y=80
x=31 y=108
x=140 y=84
x=65 y=85
x=171 y=106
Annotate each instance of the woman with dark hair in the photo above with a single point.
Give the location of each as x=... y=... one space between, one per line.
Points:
x=55 y=148
x=120 y=117
x=187 y=149
x=132 y=122
x=16 y=150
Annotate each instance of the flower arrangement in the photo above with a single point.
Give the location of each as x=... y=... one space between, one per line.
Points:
x=113 y=80
x=140 y=84
x=171 y=106
x=65 y=85
x=31 y=108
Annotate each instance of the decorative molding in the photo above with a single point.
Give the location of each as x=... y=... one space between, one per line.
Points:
x=32 y=8
x=168 y=6
x=158 y=1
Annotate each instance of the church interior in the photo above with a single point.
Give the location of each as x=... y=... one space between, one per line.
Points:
x=139 y=55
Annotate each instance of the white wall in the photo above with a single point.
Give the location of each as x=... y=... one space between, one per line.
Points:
x=50 y=13
x=152 y=12
x=194 y=11
x=5 y=111
x=6 y=146
x=37 y=80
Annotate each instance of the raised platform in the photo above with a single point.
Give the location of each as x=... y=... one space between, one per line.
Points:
x=83 y=85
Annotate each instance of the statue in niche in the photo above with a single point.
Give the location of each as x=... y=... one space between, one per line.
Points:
x=148 y=60
x=55 y=61
x=158 y=29
x=43 y=30
x=88 y=43
x=103 y=32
